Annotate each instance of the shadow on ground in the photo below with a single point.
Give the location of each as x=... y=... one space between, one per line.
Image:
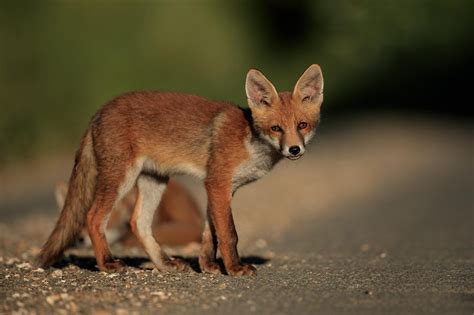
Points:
x=89 y=262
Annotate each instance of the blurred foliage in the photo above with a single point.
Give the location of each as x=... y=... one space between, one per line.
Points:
x=61 y=60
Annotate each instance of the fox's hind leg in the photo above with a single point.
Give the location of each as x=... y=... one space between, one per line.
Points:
x=96 y=223
x=150 y=190
x=110 y=189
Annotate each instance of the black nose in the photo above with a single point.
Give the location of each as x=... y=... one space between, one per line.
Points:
x=294 y=150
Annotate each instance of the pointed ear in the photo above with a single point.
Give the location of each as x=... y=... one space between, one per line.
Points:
x=260 y=91
x=310 y=85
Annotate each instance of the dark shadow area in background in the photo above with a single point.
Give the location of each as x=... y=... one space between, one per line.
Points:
x=417 y=80
x=283 y=26
x=418 y=86
x=89 y=262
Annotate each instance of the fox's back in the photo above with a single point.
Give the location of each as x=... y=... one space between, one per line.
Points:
x=165 y=127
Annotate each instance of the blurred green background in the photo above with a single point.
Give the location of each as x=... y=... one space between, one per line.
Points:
x=61 y=60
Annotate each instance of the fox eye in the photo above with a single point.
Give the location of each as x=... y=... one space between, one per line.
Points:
x=264 y=102
x=306 y=99
x=302 y=125
x=276 y=128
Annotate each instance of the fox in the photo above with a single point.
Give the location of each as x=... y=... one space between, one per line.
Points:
x=178 y=219
x=142 y=138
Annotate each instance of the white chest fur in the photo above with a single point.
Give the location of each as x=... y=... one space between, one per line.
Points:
x=262 y=158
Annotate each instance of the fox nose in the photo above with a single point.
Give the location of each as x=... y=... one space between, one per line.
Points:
x=294 y=150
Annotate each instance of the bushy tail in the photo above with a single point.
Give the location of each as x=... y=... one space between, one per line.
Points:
x=78 y=201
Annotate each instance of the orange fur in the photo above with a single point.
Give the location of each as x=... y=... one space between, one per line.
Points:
x=143 y=138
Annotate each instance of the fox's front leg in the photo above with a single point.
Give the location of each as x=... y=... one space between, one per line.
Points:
x=220 y=214
x=207 y=256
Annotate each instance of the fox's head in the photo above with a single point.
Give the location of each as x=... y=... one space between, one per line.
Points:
x=287 y=120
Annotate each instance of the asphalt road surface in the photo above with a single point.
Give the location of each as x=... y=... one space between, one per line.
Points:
x=377 y=218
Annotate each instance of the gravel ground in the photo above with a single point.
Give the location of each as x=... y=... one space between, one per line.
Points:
x=377 y=218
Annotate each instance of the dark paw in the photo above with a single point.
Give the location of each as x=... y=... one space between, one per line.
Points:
x=209 y=266
x=242 y=270
x=113 y=266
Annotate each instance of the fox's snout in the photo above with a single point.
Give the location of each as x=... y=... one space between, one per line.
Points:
x=293 y=152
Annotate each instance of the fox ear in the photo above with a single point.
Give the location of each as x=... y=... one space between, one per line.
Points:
x=260 y=91
x=310 y=85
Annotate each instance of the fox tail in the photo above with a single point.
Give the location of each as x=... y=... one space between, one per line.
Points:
x=78 y=201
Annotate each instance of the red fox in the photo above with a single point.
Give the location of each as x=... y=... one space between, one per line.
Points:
x=178 y=219
x=143 y=138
